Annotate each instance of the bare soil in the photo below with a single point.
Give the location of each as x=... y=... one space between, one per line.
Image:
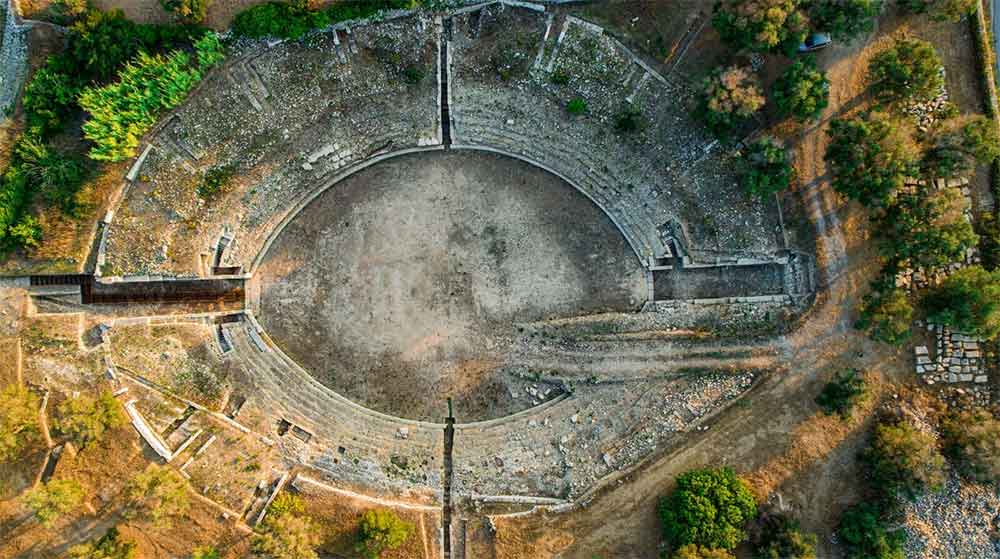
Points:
x=415 y=271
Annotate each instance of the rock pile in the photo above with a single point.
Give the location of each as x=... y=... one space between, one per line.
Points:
x=956 y=522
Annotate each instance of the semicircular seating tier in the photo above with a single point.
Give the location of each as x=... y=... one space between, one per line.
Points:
x=559 y=449
x=288 y=120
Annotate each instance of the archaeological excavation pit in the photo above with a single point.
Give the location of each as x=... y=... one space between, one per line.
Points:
x=404 y=284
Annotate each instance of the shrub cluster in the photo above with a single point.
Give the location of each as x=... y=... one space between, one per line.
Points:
x=802 y=91
x=840 y=395
x=98 y=44
x=761 y=25
x=728 y=98
x=708 y=508
x=942 y=10
x=121 y=112
x=972 y=442
x=765 y=168
x=289 y=20
x=381 y=530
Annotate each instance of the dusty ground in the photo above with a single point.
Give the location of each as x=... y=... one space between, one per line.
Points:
x=415 y=270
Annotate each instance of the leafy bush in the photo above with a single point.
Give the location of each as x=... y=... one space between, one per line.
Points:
x=98 y=45
x=886 y=314
x=51 y=500
x=576 y=106
x=13 y=198
x=909 y=71
x=760 y=25
x=49 y=99
x=903 y=460
x=414 y=74
x=958 y=144
x=26 y=233
x=108 y=546
x=844 y=19
x=381 y=530
x=216 y=180
x=972 y=442
x=157 y=494
x=287 y=536
x=926 y=229
x=121 y=112
x=629 y=120
x=692 y=551
x=56 y=175
x=869 y=157
x=188 y=11
x=967 y=301
x=802 y=91
x=765 y=168
x=841 y=394
x=989 y=240
x=709 y=508
x=19 y=420
x=779 y=536
x=65 y=12
x=943 y=10
x=205 y=552
x=292 y=20
x=286 y=503
x=865 y=535
x=728 y=98
x=208 y=50
x=85 y=420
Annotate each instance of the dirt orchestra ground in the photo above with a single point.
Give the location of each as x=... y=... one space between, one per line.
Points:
x=417 y=269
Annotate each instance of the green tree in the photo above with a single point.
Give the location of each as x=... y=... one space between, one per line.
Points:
x=908 y=71
x=187 y=11
x=19 y=420
x=381 y=530
x=869 y=157
x=58 y=176
x=287 y=536
x=53 y=499
x=121 y=112
x=926 y=229
x=692 y=551
x=728 y=98
x=943 y=10
x=49 y=99
x=865 y=536
x=958 y=144
x=709 y=507
x=903 y=460
x=108 y=546
x=802 y=90
x=760 y=25
x=844 y=19
x=205 y=552
x=27 y=232
x=780 y=537
x=157 y=494
x=972 y=442
x=85 y=420
x=886 y=314
x=840 y=395
x=967 y=301
x=765 y=168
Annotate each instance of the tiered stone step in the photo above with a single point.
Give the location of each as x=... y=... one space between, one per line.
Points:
x=350 y=442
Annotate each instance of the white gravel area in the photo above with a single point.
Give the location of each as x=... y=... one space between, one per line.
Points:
x=958 y=522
